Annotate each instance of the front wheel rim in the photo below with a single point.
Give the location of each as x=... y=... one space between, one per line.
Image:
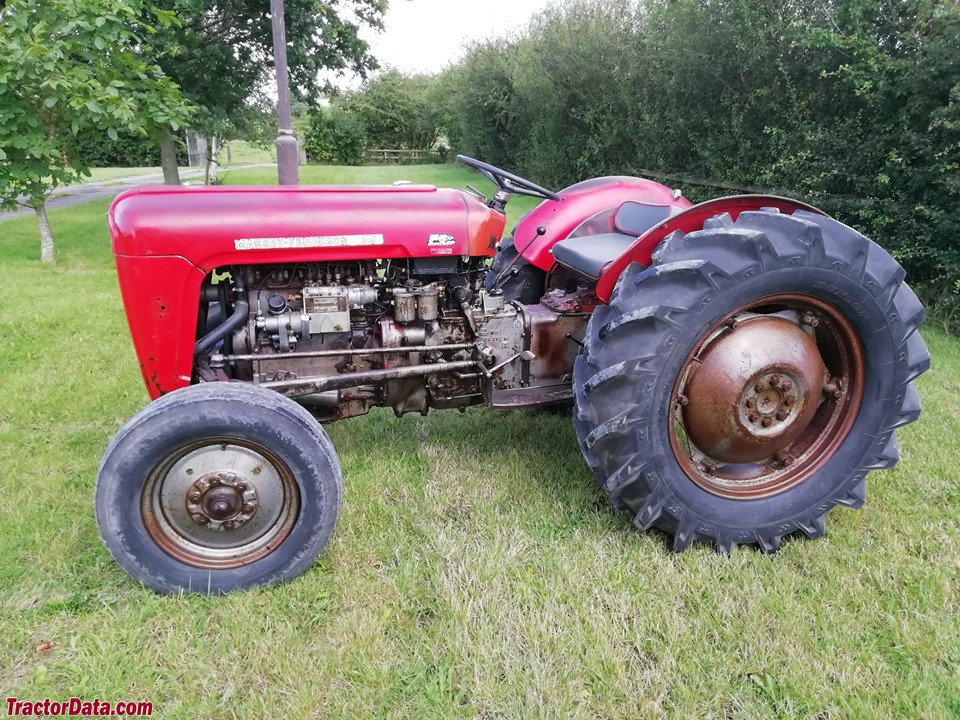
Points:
x=766 y=422
x=220 y=503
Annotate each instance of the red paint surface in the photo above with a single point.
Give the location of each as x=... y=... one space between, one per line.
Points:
x=167 y=239
x=579 y=202
x=688 y=221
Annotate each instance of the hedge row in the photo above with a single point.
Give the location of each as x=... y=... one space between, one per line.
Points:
x=853 y=105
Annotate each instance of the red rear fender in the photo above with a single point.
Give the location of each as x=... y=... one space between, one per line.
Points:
x=687 y=221
x=577 y=203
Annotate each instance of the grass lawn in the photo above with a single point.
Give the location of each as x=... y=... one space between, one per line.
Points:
x=113 y=173
x=242 y=153
x=476 y=572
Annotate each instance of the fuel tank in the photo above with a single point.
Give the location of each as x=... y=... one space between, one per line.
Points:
x=216 y=226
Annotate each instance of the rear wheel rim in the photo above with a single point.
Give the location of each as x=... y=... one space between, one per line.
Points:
x=767 y=395
x=220 y=503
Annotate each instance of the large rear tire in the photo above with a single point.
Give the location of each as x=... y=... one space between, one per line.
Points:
x=747 y=381
x=218 y=487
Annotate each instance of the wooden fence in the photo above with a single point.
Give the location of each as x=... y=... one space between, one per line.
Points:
x=381 y=156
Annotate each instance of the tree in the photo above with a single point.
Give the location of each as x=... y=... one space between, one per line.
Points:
x=397 y=110
x=335 y=137
x=70 y=66
x=221 y=53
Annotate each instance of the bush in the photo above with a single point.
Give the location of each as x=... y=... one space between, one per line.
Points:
x=398 y=112
x=335 y=137
x=128 y=150
x=853 y=106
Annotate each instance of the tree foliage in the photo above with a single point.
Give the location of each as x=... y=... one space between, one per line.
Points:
x=852 y=104
x=221 y=52
x=397 y=111
x=335 y=137
x=69 y=67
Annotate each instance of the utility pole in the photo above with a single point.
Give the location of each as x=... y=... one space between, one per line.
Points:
x=288 y=155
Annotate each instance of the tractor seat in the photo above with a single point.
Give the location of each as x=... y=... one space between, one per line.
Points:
x=587 y=254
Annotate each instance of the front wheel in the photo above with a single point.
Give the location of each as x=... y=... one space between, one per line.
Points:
x=747 y=381
x=218 y=487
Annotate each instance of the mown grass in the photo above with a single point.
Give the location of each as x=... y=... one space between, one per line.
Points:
x=114 y=173
x=475 y=572
x=242 y=152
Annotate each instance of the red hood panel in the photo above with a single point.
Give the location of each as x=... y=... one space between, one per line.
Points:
x=213 y=226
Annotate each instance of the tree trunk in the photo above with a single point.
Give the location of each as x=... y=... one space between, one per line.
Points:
x=213 y=148
x=46 y=235
x=168 y=158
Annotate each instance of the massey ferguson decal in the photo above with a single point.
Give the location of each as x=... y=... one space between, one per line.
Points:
x=441 y=240
x=310 y=241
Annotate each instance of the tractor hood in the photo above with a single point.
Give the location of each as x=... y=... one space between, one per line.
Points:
x=215 y=226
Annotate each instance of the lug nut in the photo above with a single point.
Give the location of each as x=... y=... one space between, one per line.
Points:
x=249 y=508
x=832 y=390
x=240 y=487
x=766 y=422
x=789 y=400
x=782 y=415
x=785 y=458
x=758 y=387
x=195 y=496
x=214 y=481
x=809 y=319
x=753 y=417
x=751 y=403
x=229 y=525
x=786 y=386
x=774 y=380
x=202 y=519
x=683 y=400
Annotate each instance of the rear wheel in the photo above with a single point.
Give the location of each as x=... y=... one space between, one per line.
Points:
x=747 y=381
x=218 y=487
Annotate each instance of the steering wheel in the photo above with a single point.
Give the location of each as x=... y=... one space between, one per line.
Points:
x=509 y=182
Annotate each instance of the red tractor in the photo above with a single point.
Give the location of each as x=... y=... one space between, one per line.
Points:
x=736 y=367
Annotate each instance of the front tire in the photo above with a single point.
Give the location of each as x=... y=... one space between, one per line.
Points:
x=218 y=487
x=747 y=381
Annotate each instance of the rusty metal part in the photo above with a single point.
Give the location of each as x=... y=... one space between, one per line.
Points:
x=339 y=353
x=738 y=377
x=547 y=336
x=770 y=397
x=219 y=497
x=529 y=397
x=248 y=503
x=321 y=383
x=526 y=356
x=581 y=301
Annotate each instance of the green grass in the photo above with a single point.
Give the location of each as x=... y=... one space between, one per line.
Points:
x=475 y=572
x=243 y=153
x=113 y=173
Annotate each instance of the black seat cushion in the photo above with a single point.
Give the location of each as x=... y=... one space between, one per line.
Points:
x=588 y=254
x=635 y=218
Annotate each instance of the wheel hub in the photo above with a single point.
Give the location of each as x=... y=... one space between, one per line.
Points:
x=754 y=390
x=221 y=501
